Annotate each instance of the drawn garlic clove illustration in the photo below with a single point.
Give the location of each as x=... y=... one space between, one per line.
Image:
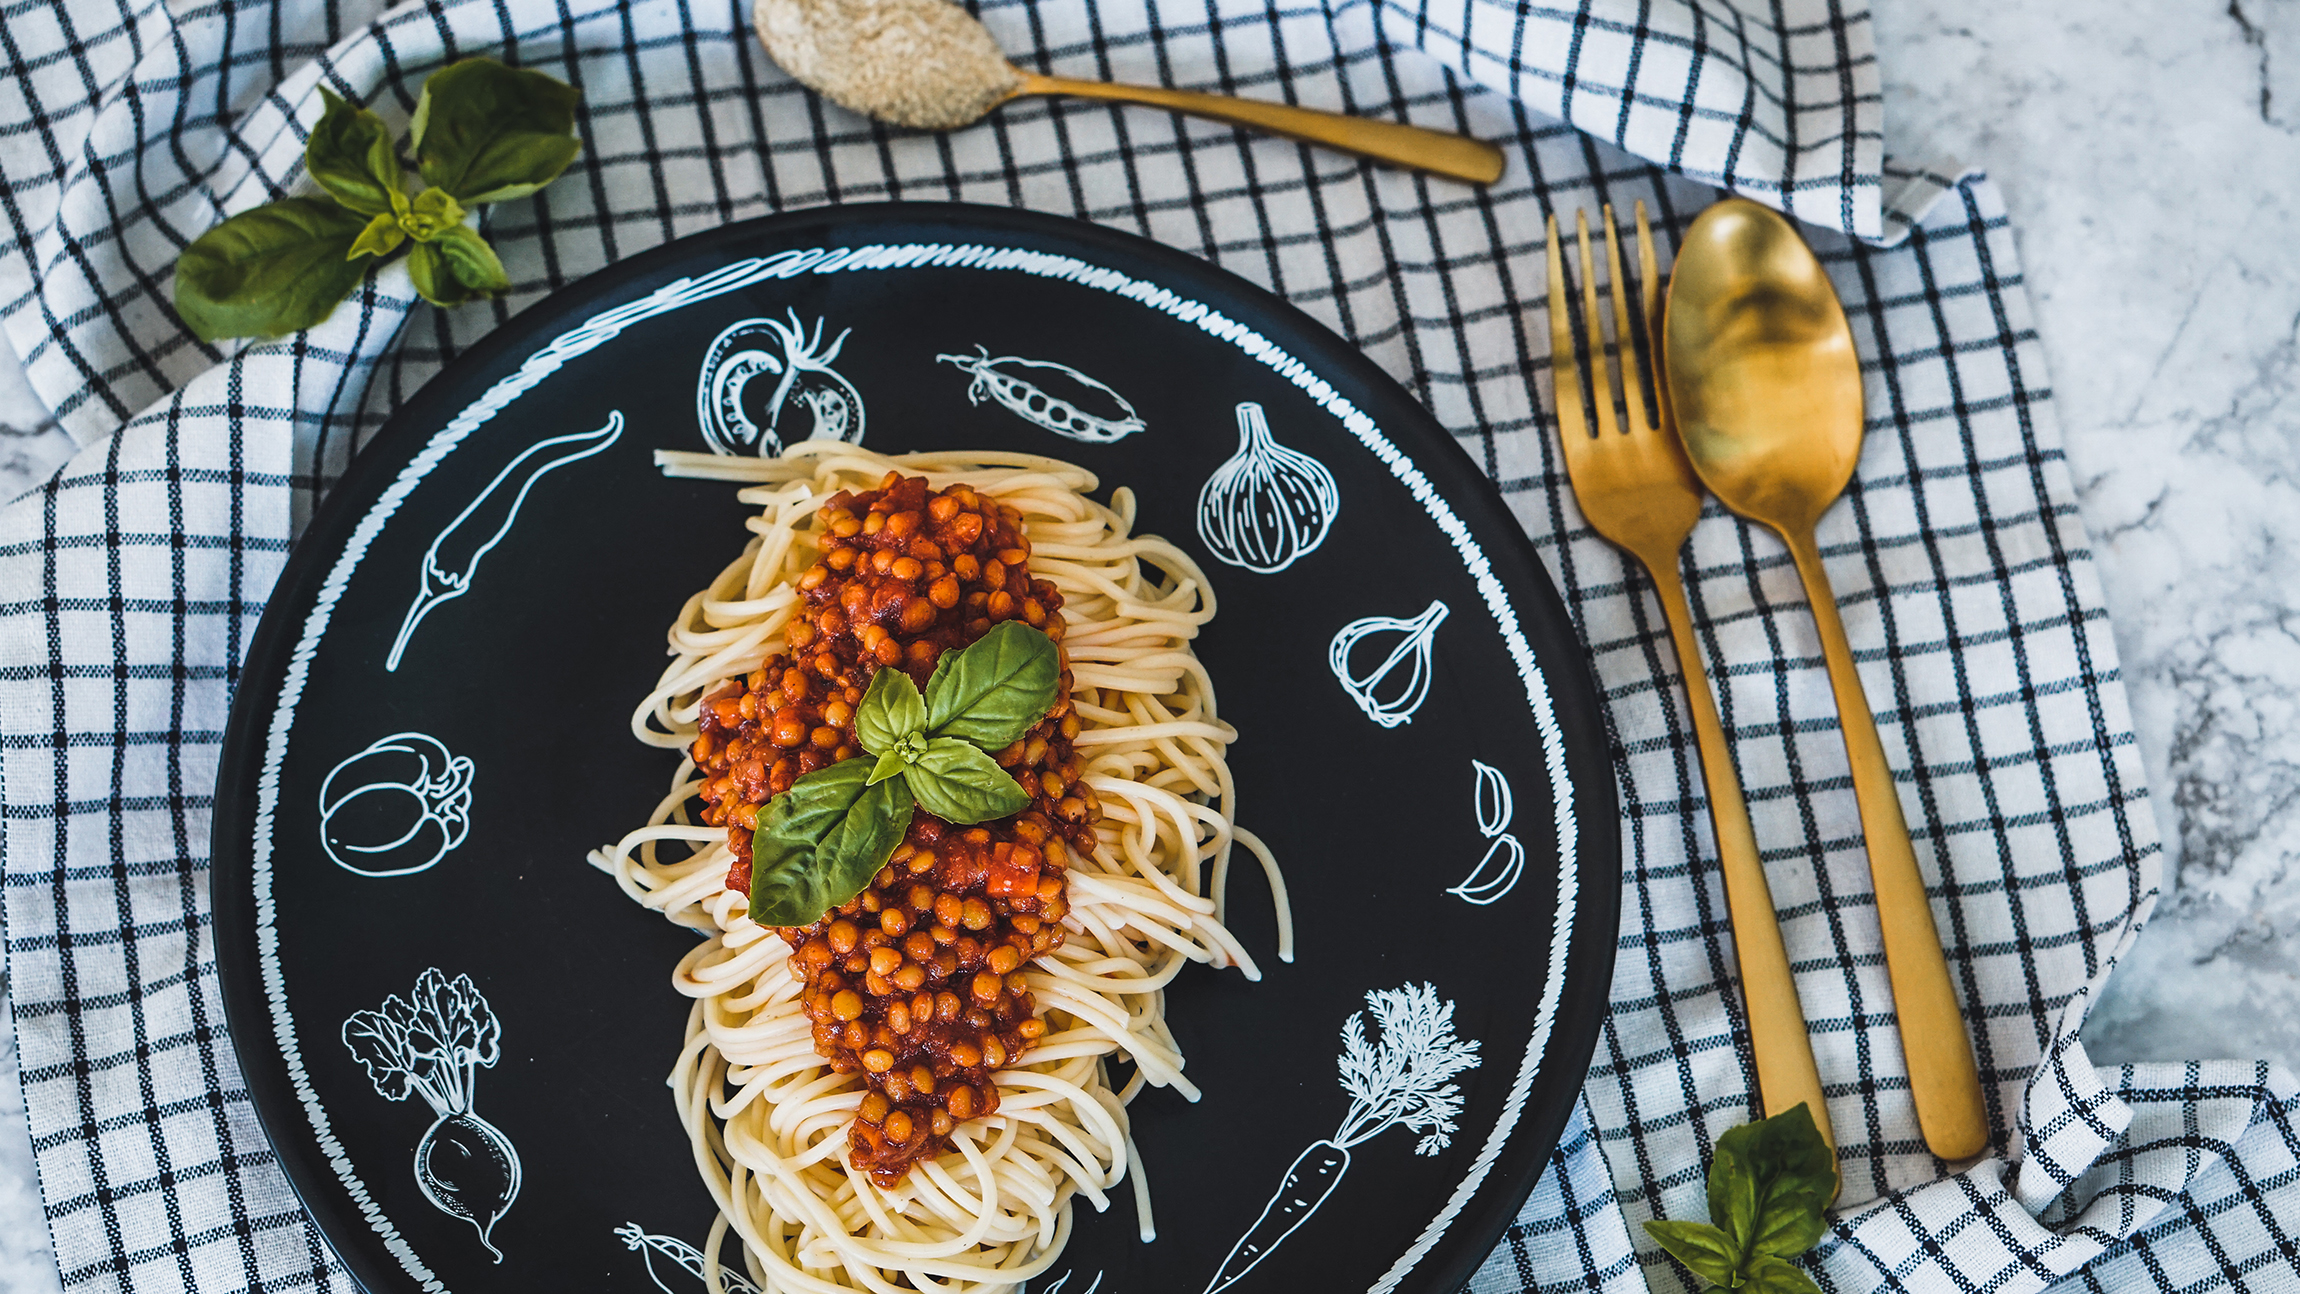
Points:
x=809 y=401
x=1495 y=806
x=1268 y=506
x=395 y=808
x=1384 y=664
x=1496 y=874
x=1032 y=403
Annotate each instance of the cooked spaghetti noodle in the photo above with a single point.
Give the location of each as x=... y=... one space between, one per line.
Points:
x=768 y=1114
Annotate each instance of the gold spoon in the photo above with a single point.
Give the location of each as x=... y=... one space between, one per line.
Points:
x=1767 y=389
x=930 y=65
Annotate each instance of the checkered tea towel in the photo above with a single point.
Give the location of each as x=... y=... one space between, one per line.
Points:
x=130 y=583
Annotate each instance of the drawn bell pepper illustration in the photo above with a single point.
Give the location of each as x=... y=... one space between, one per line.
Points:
x=453 y=558
x=396 y=807
x=804 y=379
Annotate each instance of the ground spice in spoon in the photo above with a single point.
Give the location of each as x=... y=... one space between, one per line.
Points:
x=926 y=64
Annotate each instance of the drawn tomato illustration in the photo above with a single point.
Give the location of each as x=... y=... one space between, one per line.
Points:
x=395 y=808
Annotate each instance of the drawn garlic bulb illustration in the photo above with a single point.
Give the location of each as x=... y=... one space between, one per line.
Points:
x=1496 y=874
x=1031 y=403
x=804 y=380
x=1384 y=664
x=1269 y=505
x=395 y=808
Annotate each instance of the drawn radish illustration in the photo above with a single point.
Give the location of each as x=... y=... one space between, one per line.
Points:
x=434 y=1044
x=1026 y=400
x=395 y=808
x=1496 y=874
x=1396 y=685
x=453 y=558
x=1403 y=1077
x=678 y=1253
x=1267 y=506
x=804 y=379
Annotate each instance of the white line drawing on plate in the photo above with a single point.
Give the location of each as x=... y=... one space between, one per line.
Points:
x=1404 y=1076
x=1386 y=702
x=1267 y=506
x=1026 y=401
x=454 y=557
x=434 y=1044
x=404 y=804
x=1064 y=1279
x=806 y=379
x=688 y=1259
x=1496 y=874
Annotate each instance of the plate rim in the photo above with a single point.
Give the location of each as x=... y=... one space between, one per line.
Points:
x=1576 y=702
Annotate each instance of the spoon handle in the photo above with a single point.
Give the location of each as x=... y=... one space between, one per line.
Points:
x=1786 y=1074
x=1455 y=156
x=1943 y=1080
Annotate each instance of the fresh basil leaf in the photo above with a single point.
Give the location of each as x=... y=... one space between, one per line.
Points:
x=1770 y=1275
x=891 y=709
x=489 y=133
x=381 y=238
x=1792 y=1176
x=270 y=271
x=1733 y=1187
x=818 y=844
x=1709 y=1252
x=958 y=783
x=351 y=156
x=890 y=764
x=996 y=689
x=434 y=282
x=473 y=262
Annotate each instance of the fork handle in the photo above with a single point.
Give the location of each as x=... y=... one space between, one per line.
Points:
x=1786 y=1073
x=1943 y=1080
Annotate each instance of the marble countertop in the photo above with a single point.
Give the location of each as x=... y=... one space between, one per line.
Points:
x=2146 y=149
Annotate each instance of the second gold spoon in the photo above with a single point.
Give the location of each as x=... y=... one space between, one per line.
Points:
x=1767 y=389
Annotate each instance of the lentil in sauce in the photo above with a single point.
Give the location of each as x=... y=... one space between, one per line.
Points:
x=916 y=983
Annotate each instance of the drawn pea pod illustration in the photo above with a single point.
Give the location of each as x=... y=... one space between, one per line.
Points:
x=680 y=1256
x=1033 y=404
x=395 y=808
x=1398 y=680
x=804 y=379
x=1496 y=874
x=1268 y=506
x=453 y=559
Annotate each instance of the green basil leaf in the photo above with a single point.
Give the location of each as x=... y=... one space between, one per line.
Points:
x=351 y=156
x=380 y=238
x=995 y=690
x=1709 y=1252
x=890 y=764
x=891 y=710
x=473 y=262
x=818 y=844
x=433 y=214
x=489 y=133
x=270 y=271
x=1733 y=1186
x=1770 y=1275
x=958 y=783
x=1794 y=1177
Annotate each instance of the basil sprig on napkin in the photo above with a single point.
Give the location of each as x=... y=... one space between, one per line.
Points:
x=819 y=843
x=1768 y=1184
x=482 y=132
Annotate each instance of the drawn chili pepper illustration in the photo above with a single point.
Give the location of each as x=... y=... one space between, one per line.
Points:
x=1267 y=506
x=434 y=1044
x=395 y=808
x=453 y=559
x=1403 y=1077
x=1387 y=700
x=1027 y=401
x=804 y=379
x=1496 y=874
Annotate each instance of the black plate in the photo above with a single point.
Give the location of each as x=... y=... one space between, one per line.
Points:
x=496 y=754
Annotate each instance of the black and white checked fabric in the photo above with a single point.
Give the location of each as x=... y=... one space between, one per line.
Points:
x=130 y=583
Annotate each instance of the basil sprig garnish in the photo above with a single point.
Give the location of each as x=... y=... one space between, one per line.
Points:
x=819 y=843
x=482 y=132
x=1768 y=1184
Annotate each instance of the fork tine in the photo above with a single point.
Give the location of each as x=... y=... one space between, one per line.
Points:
x=1628 y=334
x=1650 y=320
x=1600 y=381
x=1564 y=370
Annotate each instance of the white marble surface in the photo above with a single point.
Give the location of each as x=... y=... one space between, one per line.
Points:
x=2149 y=151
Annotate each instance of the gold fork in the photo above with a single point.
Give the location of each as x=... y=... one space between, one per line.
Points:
x=1637 y=489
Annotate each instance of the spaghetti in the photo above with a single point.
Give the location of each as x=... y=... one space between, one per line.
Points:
x=772 y=1119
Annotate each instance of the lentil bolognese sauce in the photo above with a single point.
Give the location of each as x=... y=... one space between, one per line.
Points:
x=916 y=1086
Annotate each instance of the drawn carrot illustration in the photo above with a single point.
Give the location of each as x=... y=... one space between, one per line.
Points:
x=454 y=557
x=1405 y=1076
